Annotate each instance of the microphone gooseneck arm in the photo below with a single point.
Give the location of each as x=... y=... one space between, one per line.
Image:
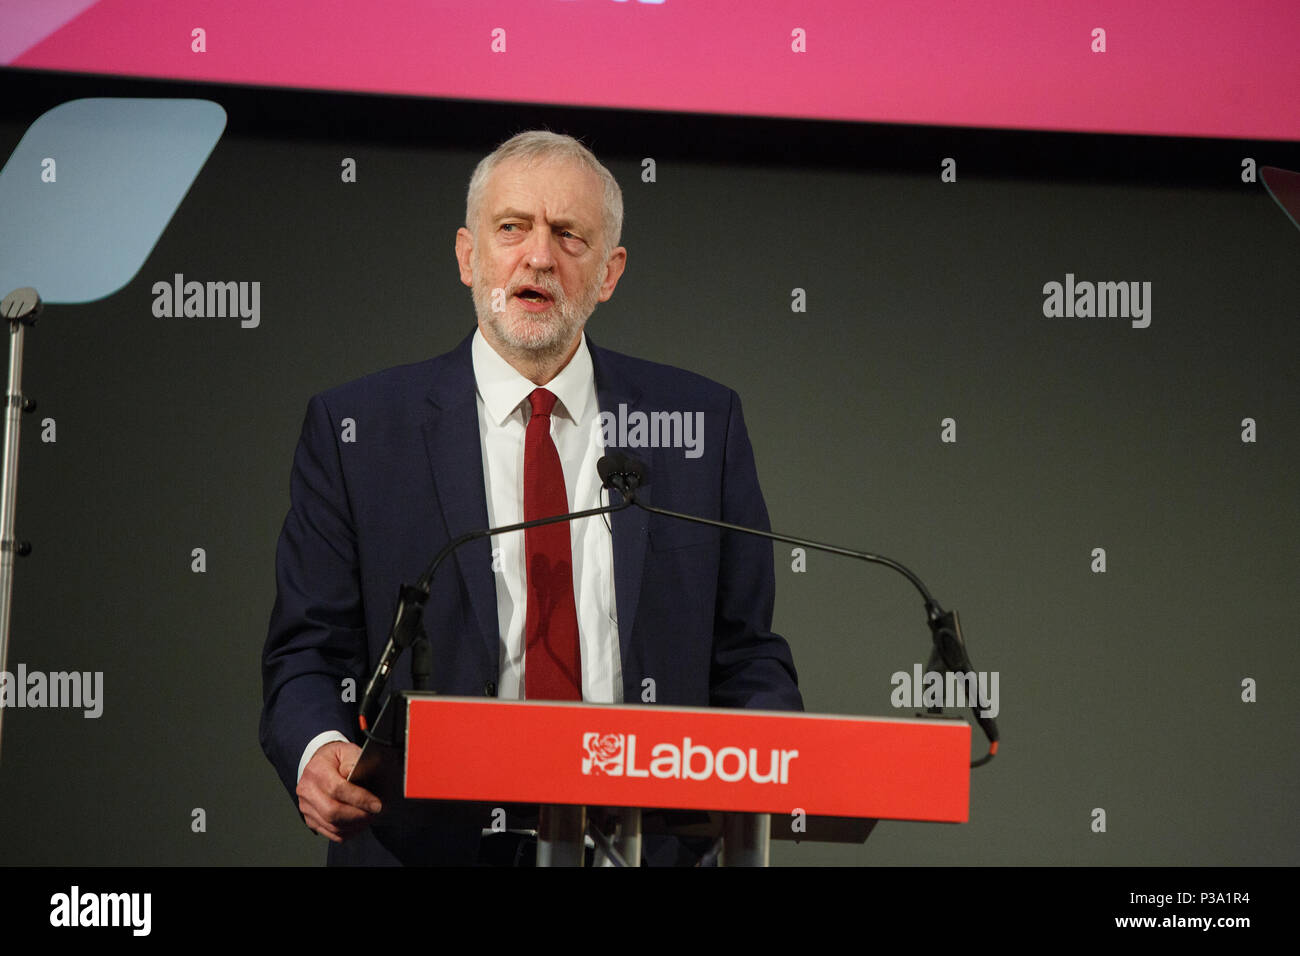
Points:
x=405 y=630
x=626 y=475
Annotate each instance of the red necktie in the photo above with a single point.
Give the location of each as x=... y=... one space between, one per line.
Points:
x=552 y=664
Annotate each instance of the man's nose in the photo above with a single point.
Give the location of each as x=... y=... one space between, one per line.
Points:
x=540 y=254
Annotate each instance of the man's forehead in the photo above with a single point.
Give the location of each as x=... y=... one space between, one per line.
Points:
x=564 y=187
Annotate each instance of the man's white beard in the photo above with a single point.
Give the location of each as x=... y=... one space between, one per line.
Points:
x=535 y=335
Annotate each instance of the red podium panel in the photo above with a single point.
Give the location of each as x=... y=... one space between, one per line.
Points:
x=749 y=761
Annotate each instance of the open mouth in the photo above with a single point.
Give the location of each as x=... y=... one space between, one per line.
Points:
x=534 y=295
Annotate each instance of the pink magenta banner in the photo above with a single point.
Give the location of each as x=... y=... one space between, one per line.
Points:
x=1224 y=68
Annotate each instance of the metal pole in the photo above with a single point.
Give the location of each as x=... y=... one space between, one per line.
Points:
x=20 y=307
x=746 y=839
x=562 y=836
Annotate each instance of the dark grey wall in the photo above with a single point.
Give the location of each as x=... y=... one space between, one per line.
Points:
x=1119 y=690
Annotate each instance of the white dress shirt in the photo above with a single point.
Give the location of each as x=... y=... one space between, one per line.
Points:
x=503 y=413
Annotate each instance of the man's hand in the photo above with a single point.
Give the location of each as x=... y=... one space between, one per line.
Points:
x=331 y=806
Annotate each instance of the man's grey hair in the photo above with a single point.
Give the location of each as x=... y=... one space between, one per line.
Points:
x=535 y=145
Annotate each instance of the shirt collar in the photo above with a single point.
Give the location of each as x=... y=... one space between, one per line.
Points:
x=503 y=389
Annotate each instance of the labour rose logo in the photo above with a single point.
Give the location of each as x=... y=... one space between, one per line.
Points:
x=602 y=754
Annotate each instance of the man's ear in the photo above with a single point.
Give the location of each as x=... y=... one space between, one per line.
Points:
x=464 y=252
x=614 y=267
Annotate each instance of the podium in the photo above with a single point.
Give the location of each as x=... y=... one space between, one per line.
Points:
x=612 y=772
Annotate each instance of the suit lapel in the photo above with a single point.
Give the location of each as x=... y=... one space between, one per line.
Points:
x=631 y=524
x=451 y=437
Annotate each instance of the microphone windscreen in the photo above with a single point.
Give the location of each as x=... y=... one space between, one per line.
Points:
x=618 y=467
x=605 y=468
x=635 y=470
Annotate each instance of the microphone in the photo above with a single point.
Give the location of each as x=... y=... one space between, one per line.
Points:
x=623 y=473
x=626 y=474
x=406 y=631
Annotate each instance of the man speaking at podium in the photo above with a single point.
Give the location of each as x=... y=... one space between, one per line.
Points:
x=629 y=608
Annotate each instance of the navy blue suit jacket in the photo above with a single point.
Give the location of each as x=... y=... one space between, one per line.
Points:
x=694 y=605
